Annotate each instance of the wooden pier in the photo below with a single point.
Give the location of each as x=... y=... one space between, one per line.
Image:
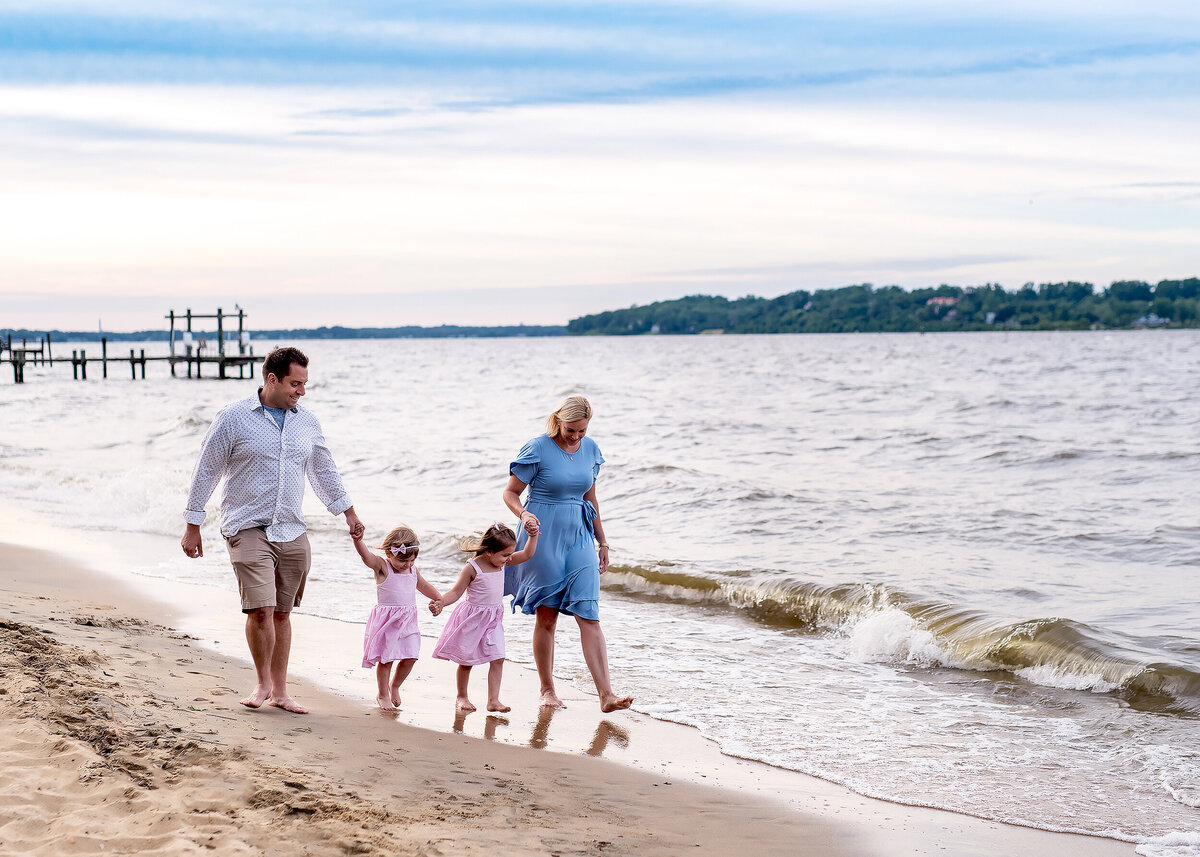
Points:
x=223 y=362
x=19 y=355
x=196 y=353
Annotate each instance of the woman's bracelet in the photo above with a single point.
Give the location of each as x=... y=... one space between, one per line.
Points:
x=603 y=544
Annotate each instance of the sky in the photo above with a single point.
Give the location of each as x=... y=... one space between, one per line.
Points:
x=370 y=163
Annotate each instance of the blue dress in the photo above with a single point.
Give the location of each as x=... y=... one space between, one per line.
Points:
x=565 y=572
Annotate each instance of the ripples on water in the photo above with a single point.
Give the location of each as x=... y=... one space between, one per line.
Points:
x=951 y=570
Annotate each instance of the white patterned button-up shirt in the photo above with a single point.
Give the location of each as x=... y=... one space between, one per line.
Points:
x=264 y=470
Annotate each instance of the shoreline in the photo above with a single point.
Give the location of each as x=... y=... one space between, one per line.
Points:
x=121 y=734
x=633 y=748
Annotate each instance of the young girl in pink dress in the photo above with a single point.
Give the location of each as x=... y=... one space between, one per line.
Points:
x=392 y=641
x=475 y=633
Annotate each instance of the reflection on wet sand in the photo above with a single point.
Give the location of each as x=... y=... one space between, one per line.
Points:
x=541 y=729
x=608 y=731
x=489 y=726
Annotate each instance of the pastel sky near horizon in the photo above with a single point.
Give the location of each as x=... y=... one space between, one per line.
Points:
x=379 y=164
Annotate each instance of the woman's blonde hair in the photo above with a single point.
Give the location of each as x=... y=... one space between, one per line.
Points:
x=572 y=409
x=402 y=536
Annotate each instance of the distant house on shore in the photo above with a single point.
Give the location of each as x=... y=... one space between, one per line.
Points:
x=941 y=302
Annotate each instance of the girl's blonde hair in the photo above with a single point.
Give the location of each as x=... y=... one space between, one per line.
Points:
x=402 y=537
x=495 y=538
x=572 y=409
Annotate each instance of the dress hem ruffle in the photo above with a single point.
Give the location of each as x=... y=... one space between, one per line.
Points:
x=584 y=608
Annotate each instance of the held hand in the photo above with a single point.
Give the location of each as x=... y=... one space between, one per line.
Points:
x=530 y=522
x=603 y=558
x=192 y=544
x=356 y=526
x=435 y=607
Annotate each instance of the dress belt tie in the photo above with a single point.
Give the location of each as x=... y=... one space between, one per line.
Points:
x=589 y=511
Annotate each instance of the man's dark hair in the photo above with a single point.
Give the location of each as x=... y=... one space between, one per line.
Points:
x=280 y=360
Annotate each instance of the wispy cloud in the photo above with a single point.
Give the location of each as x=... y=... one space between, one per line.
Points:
x=923 y=264
x=483 y=55
x=64 y=128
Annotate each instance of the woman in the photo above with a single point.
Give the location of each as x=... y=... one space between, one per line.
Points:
x=560 y=469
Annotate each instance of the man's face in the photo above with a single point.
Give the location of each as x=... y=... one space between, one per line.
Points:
x=285 y=392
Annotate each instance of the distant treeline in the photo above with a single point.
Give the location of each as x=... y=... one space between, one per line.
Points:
x=1049 y=306
x=445 y=331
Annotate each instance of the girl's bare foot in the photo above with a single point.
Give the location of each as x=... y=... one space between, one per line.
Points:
x=385 y=703
x=550 y=699
x=396 y=697
x=463 y=704
x=613 y=702
x=497 y=705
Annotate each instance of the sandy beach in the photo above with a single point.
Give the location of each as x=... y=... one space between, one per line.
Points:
x=121 y=733
x=124 y=735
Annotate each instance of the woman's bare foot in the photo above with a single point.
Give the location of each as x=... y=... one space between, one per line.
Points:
x=497 y=705
x=385 y=703
x=257 y=697
x=287 y=704
x=615 y=703
x=463 y=704
x=549 y=699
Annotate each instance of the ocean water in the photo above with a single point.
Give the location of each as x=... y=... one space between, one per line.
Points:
x=955 y=570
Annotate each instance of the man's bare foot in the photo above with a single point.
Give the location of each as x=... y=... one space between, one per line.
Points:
x=549 y=699
x=463 y=704
x=385 y=703
x=287 y=704
x=257 y=697
x=497 y=705
x=615 y=703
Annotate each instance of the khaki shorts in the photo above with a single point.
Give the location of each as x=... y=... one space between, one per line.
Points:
x=269 y=574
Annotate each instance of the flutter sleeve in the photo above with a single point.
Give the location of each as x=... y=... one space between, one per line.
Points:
x=526 y=464
x=597 y=460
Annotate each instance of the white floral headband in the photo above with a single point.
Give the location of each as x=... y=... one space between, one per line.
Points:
x=402 y=550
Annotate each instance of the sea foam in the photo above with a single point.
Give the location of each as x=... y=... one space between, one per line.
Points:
x=891 y=635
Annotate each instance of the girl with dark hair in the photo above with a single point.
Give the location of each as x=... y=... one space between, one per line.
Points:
x=475 y=632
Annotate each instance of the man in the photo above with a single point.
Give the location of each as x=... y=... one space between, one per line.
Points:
x=263 y=446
